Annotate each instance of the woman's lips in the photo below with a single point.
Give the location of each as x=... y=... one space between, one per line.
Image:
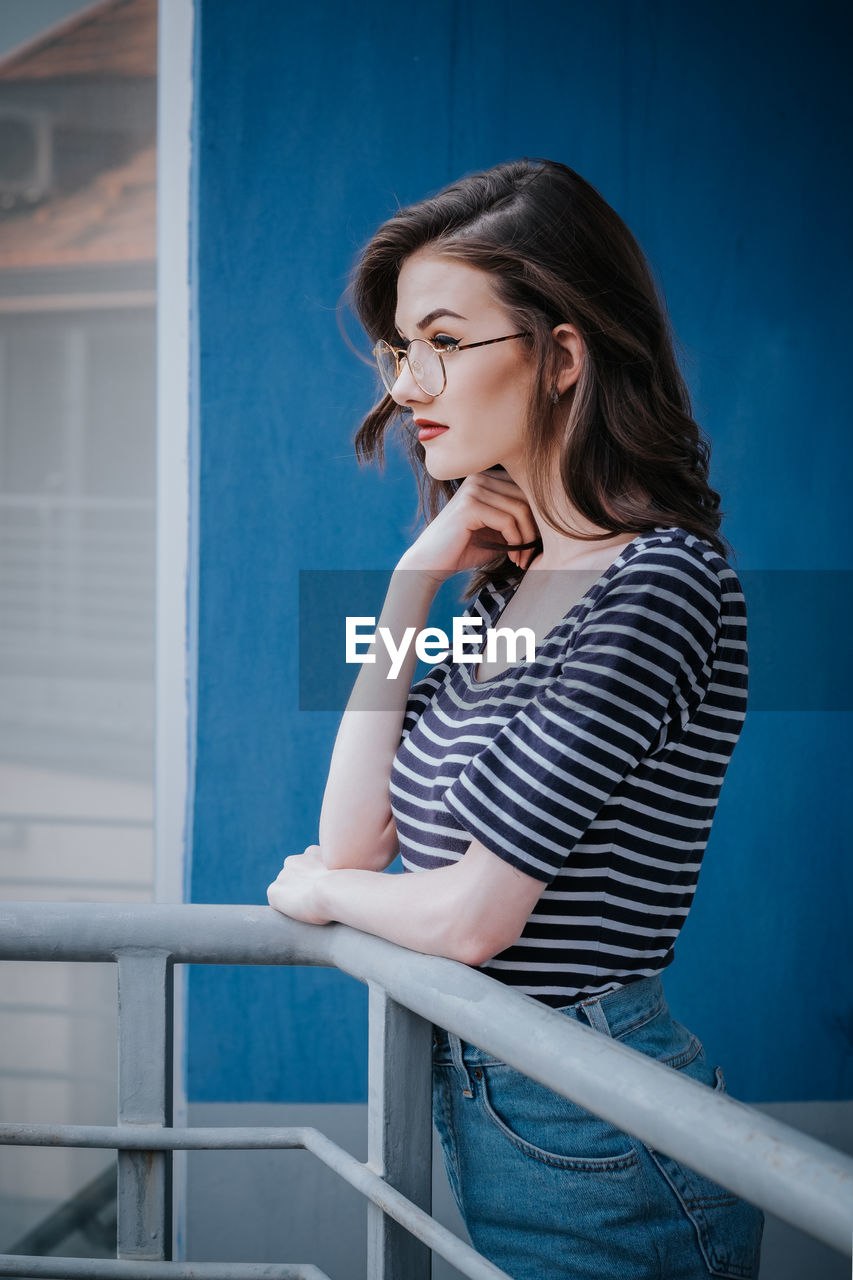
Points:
x=426 y=430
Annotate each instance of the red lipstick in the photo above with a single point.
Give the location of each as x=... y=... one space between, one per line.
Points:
x=427 y=430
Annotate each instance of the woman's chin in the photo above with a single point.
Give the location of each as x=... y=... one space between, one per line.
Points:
x=439 y=472
x=447 y=469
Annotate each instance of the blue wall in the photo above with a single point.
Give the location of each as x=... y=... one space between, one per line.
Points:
x=720 y=135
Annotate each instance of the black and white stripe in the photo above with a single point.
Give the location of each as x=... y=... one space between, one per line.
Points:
x=595 y=768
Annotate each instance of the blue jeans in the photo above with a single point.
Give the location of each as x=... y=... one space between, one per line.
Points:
x=548 y=1190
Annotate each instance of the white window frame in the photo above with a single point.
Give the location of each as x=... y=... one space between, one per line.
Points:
x=177 y=506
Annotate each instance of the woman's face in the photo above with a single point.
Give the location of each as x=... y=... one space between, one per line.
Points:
x=483 y=407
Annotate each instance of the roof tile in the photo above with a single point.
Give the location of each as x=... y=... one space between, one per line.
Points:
x=115 y=38
x=113 y=219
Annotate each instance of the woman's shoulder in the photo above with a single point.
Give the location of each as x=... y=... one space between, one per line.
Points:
x=666 y=559
x=674 y=577
x=674 y=550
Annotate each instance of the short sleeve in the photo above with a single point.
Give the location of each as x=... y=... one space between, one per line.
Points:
x=637 y=670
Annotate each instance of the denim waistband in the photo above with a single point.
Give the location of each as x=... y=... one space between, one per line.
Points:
x=623 y=1009
x=615 y=1013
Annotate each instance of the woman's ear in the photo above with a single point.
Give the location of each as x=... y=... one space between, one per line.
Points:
x=571 y=356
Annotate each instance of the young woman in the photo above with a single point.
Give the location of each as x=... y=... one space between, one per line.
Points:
x=556 y=810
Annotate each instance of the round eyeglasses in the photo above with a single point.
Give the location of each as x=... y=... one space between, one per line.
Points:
x=425 y=361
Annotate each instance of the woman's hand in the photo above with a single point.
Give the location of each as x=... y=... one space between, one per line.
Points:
x=485 y=507
x=293 y=892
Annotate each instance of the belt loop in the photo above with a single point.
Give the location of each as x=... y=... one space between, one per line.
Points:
x=595 y=1016
x=459 y=1063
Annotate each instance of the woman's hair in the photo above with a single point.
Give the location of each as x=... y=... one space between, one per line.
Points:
x=631 y=455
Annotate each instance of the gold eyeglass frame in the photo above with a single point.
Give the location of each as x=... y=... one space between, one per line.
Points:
x=402 y=353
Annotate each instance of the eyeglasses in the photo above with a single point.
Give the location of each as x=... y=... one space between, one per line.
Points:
x=425 y=361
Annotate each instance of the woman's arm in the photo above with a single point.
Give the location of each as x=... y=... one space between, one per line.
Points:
x=469 y=911
x=356 y=825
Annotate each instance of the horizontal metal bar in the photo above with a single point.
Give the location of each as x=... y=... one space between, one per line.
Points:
x=19 y=1265
x=360 y=1176
x=76 y=820
x=98 y=931
x=141 y=1138
x=786 y=1172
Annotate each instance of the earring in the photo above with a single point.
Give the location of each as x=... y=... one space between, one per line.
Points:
x=555 y=396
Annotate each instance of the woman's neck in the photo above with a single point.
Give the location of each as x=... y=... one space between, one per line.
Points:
x=567 y=551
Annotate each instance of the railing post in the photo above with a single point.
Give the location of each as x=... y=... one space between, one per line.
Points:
x=399 y=1133
x=145 y=1029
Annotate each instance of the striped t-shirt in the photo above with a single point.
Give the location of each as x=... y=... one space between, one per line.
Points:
x=596 y=767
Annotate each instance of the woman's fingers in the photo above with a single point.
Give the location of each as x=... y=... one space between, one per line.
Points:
x=499 y=490
x=509 y=516
x=500 y=520
x=455 y=541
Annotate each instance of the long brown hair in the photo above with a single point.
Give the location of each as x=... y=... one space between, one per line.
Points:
x=631 y=455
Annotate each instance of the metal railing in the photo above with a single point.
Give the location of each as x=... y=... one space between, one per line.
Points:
x=788 y=1173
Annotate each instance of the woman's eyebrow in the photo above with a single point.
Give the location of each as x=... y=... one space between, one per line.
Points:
x=432 y=317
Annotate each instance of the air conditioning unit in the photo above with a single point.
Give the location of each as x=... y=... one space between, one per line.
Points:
x=26 y=156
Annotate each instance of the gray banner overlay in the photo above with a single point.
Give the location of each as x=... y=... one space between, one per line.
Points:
x=798 y=621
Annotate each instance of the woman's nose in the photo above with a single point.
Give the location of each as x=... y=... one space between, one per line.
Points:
x=405 y=389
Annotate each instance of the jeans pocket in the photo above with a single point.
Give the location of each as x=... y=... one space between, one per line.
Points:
x=662 y=1038
x=549 y=1128
x=728 y=1229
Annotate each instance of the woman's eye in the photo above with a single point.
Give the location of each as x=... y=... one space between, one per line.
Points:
x=444 y=341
